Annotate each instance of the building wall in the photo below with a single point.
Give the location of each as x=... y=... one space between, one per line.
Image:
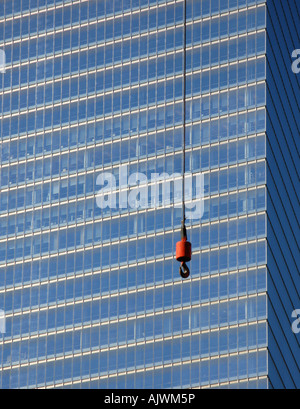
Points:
x=283 y=192
x=87 y=292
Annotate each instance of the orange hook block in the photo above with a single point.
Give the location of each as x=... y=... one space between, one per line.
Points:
x=184 y=251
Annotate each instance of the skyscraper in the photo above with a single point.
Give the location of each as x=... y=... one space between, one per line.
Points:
x=89 y=288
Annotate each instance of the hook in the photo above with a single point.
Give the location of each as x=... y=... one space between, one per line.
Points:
x=184 y=271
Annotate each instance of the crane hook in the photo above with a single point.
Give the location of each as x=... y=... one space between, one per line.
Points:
x=184 y=271
x=184 y=253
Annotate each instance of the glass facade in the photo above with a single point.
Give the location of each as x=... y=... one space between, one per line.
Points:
x=283 y=187
x=92 y=297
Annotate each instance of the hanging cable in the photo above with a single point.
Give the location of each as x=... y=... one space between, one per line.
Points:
x=184 y=113
x=183 y=247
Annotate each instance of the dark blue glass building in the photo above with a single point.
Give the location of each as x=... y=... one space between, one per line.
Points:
x=92 y=96
x=283 y=142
